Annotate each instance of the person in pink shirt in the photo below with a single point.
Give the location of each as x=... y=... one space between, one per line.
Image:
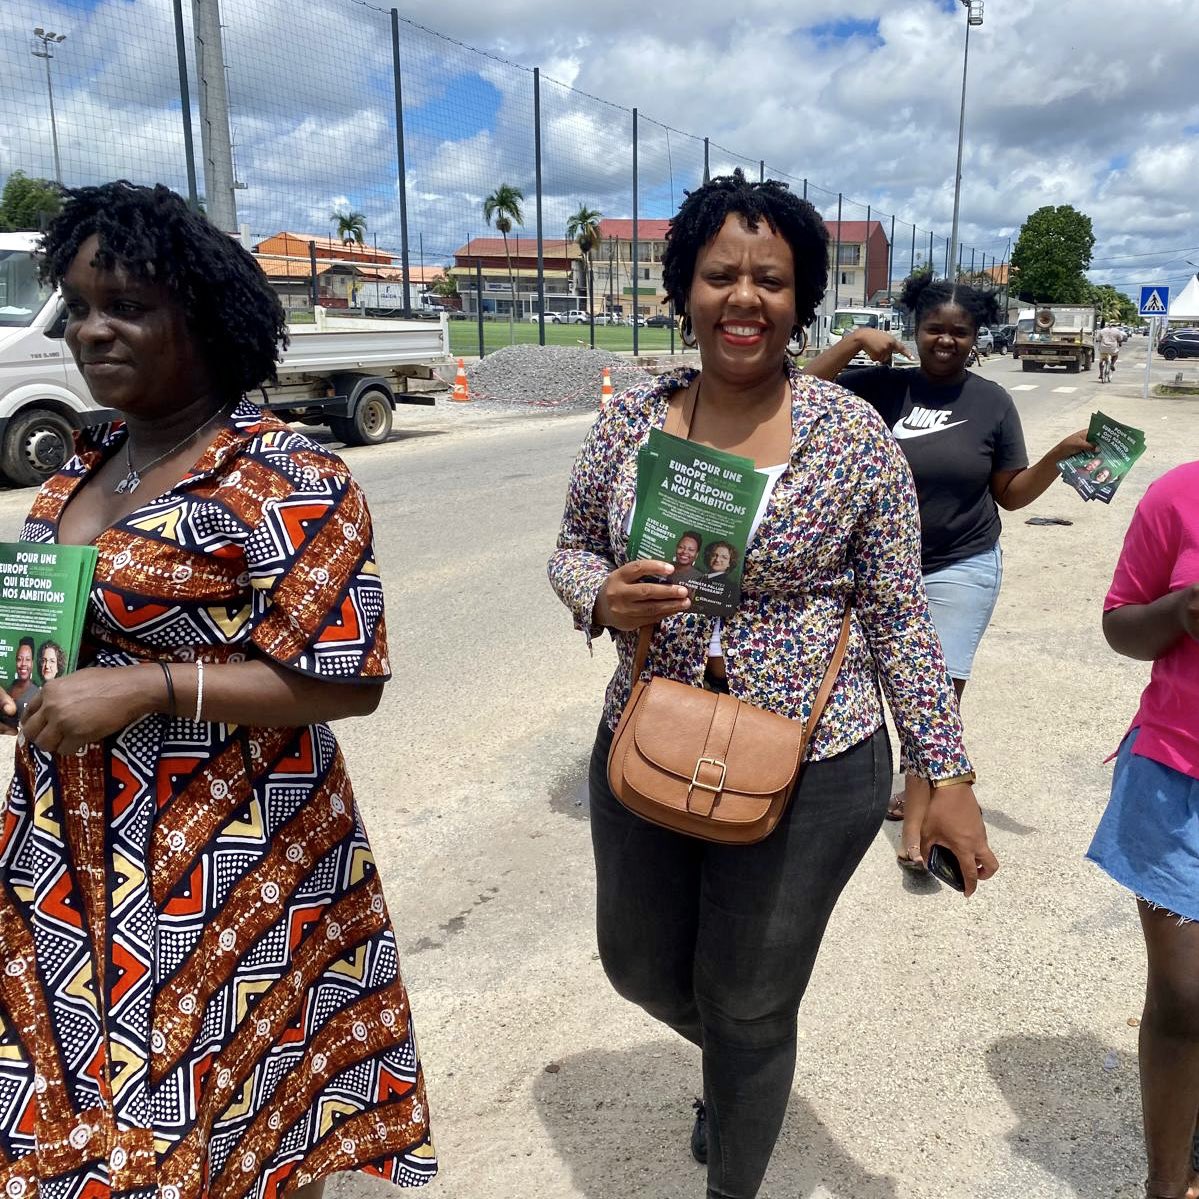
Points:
x=1148 y=839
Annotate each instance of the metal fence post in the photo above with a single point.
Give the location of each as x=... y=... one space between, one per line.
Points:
x=836 y=256
x=912 y=267
x=479 y=301
x=185 y=104
x=403 y=173
x=312 y=287
x=866 y=260
x=762 y=170
x=805 y=189
x=707 y=172
x=540 y=230
x=633 y=264
x=891 y=261
x=931 y=267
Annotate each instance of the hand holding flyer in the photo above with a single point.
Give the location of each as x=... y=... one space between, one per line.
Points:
x=1097 y=474
x=695 y=508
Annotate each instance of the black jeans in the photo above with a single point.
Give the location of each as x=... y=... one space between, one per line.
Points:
x=719 y=941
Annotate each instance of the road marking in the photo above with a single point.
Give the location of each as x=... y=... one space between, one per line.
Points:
x=1065 y=391
x=1026 y=387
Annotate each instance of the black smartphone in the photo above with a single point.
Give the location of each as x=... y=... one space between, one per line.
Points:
x=943 y=865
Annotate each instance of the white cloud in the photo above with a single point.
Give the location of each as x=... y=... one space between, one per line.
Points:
x=1095 y=108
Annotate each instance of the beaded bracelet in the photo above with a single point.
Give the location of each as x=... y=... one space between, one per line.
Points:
x=199 y=691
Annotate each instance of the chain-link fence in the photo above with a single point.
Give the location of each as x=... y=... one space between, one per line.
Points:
x=375 y=164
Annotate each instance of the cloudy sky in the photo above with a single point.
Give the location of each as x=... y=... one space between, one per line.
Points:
x=1082 y=102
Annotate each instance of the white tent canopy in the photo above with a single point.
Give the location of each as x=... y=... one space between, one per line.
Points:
x=1185 y=305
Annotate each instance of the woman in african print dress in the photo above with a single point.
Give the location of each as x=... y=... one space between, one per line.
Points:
x=200 y=992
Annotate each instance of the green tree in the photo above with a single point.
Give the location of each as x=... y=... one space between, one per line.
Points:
x=26 y=204
x=444 y=286
x=502 y=209
x=1051 y=254
x=350 y=227
x=1113 y=305
x=583 y=226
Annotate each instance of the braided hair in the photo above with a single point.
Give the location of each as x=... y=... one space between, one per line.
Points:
x=922 y=295
x=230 y=308
x=704 y=211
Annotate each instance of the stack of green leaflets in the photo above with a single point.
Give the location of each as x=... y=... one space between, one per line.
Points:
x=695 y=508
x=1097 y=474
x=43 y=608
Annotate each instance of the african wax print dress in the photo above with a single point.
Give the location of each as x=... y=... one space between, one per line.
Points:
x=200 y=991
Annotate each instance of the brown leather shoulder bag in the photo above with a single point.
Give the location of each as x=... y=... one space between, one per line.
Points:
x=701 y=762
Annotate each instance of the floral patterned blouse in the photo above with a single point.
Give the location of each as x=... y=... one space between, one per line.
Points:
x=841 y=527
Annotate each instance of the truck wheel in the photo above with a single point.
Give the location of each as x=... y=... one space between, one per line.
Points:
x=1025 y=365
x=37 y=442
x=1169 y=353
x=370 y=424
x=1072 y=367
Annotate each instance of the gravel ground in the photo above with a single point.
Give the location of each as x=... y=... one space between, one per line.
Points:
x=546 y=376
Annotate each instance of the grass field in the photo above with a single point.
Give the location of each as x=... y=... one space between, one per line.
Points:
x=464 y=337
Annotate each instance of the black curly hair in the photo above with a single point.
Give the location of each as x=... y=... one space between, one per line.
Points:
x=231 y=309
x=704 y=211
x=922 y=294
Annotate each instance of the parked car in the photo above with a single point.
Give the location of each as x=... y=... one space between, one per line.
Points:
x=659 y=320
x=609 y=318
x=576 y=316
x=1003 y=338
x=983 y=341
x=631 y=320
x=1179 y=343
x=551 y=318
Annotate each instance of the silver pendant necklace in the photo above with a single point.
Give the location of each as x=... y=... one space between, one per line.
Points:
x=133 y=477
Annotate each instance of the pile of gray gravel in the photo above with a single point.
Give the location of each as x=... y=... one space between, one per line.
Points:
x=549 y=376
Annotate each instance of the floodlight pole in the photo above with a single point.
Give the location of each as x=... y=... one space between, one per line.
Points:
x=974 y=16
x=49 y=40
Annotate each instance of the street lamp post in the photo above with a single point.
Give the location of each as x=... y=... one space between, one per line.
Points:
x=974 y=16
x=48 y=42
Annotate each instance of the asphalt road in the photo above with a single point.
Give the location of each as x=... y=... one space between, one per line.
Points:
x=947 y=1047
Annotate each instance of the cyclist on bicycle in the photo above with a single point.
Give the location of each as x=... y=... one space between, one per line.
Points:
x=1108 y=342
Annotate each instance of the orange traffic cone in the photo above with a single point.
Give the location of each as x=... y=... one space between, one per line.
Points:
x=461 y=387
x=606 y=387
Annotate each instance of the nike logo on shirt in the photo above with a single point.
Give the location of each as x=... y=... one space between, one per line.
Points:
x=920 y=422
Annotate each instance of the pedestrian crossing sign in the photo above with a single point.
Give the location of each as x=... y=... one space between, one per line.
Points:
x=1155 y=300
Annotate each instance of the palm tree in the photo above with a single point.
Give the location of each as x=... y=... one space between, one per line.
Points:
x=583 y=226
x=502 y=209
x=350 y=227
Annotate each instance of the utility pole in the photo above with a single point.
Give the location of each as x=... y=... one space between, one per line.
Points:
x=216 y=144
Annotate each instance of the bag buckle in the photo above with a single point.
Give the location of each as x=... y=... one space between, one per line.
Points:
x=695 y=783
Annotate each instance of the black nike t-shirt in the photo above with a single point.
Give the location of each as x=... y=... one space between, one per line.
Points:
x=955 y=436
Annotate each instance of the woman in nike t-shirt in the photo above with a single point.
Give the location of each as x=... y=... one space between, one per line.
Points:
x=962 y=438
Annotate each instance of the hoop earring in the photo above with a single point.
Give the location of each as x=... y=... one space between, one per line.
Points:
x=798 y=340
x=686 y=336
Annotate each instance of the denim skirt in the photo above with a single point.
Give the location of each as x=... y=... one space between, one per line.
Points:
x=961 y=601
x=1148 y=839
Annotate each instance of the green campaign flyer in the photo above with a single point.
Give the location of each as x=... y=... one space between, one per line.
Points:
x=43 y=606
x=1097 y=474
x=695 y=507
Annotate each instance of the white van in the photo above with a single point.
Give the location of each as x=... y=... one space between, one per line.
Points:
x=43 y=397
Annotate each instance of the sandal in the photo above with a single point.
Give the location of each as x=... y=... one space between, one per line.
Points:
x=912 y=861
x=895 y=807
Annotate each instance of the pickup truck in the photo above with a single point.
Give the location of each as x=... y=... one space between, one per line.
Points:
x=1055 y=335
x=348 y=373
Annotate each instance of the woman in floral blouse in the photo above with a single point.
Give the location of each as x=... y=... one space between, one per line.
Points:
x=719 y=941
